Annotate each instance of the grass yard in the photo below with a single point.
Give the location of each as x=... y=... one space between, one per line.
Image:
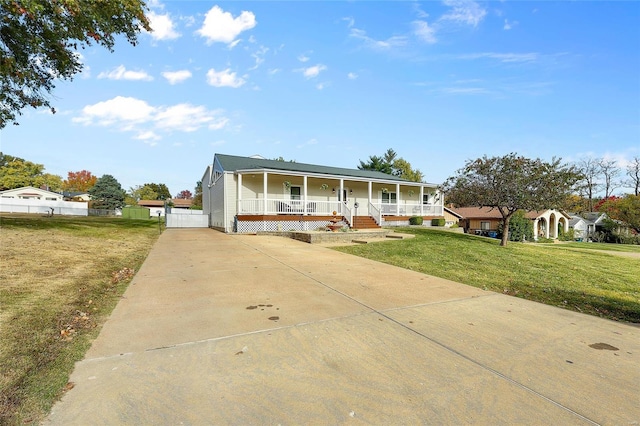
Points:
x=569 y=276
x=60 y=279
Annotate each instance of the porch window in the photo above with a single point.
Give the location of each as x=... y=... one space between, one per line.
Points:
x=425 y=198
x=295 y=193
x=485 y=226
x=389 y=198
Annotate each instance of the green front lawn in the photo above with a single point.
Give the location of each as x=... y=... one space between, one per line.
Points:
x=573 y=278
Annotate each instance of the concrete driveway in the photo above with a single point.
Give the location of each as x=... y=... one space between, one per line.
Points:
x=221 y=329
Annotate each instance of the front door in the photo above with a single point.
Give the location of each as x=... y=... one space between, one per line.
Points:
x=344 y=198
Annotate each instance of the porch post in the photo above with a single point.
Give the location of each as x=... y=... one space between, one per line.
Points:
x=239 y=196
x=535 y=229
x=304 y=195
x=398 y=199
x=421 y=200
x=546 y=230
x=370 y=187
x=341 y=196
x=264 y=191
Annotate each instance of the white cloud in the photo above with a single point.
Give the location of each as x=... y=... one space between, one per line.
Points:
x=424 y=32
x=220 y=26
x=124 y=110
x=464 y=12
x=321 y=86
x=350 y=21
x=391 y=42
x=224 y=78
x=259 y=55
x=149 y=122
x=504 y=57
x=174 y=77
x=274 y=71
x=509 y=25
x=303 y=58
x=313 y=141
x=148 y=137
x=465 y=90
x=162 y=26
x=352 y=76
x=313 y=71
x=188 y=118
x=121 y=73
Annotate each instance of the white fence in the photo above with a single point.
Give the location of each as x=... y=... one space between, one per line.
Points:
x=181 y=219
x=17 y=205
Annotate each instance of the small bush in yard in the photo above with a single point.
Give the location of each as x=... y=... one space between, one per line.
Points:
x=415 y=220
x=438 y=221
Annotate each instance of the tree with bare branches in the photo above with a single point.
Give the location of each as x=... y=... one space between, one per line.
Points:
x=633 y=171
x=610 y=171
x=589 y=185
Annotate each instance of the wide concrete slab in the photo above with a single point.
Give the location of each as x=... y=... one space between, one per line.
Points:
x=196 y=340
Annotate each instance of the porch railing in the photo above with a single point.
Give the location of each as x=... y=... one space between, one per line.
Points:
x=281 y=206
x=407 y=209
x=326 y=208
x=375 y=213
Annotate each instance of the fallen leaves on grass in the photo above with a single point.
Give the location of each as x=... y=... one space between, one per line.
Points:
x=80 y=320
x=122 y=275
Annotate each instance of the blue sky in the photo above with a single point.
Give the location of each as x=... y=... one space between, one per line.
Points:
x=334 y=82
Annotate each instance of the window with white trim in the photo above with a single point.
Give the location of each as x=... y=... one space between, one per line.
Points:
x=295 y=192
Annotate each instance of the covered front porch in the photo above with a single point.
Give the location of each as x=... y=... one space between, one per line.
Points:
x=317 y=197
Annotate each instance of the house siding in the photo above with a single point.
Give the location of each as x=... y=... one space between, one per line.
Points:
x=230 y=206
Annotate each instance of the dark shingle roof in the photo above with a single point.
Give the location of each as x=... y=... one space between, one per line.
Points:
x=233 y=163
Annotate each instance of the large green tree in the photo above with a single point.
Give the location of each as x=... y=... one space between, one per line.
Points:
x=39 y=42
x=511 y=183
x=196 y=204
x=107 y=193
x=80 y=181
x=150 y=191
x=16 y=172
x=625 y=209
x=391 y=164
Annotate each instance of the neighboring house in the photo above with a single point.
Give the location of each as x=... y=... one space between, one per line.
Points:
x=597 y=219
x=451 y=217
x=76 y=196
x=156 y=207
x=251 y=194
x=486 y=221
x=31 y=193
x=31 y=200
x=582 y=228
x=181 y=203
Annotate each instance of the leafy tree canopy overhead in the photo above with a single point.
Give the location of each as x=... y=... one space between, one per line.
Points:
x=150 y=191
x=625 y=209
x=391 y=164
x=185 y=194
x=39 y=42
x=80 y=181
x=16 y=172
x=197 y=198
x=511 y=183
x=107 y=193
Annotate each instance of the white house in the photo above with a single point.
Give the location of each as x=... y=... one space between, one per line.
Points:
x=31 y=193
x=582 y=228
x=251 y=194
x=38 y=201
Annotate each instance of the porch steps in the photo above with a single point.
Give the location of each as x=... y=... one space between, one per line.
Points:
x=364 y=222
